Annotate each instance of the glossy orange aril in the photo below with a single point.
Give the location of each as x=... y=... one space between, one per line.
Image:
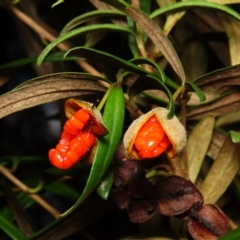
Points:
x=151 y=140
x=74 y=142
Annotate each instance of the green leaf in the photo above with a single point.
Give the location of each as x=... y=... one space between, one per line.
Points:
x=104 y=188
x=54 y=57
x=81 y=31
x=11 y=230
x=155 y=33
x=198 y=91
x=181 y=6
x=57 y=3
x=63 y=189
x=232 y=235
x=100 y=56
x=119 y=4
x=235 y=136
x=113 y=118
x=142 y=60
x=89 y=16
x=145 y=6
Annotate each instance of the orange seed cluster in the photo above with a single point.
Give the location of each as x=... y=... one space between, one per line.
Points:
x=151 y=140
x=75 y=141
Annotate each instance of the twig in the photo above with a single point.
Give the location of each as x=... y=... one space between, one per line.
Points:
x=44 y=34
x=55 y=213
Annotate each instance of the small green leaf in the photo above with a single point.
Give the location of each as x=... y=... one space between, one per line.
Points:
x=57 y=3
x=54 y=57
x=104 y=188
x=232 y=235
x=181 y=6
x=81 y=31
x=113 y=118
x=11 y=230
x=198 y=91
x=89 y=16
x=235 y=136
x=62 y=189
x=111 y=60
x=142 y=60
x=119 y=4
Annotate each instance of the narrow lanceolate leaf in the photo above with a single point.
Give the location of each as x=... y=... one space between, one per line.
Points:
x=155 y=33
x=227 y=76
x=198 y=91
x=81 y=31
x=197 y=145
x=11 y=230
x=57 y=3
x=100 y=56
x=54 y=57
x=232 y=235
x=105 y=186
x=89 y=16
x=182 y=6
x=222 y=172
x=119 y=4
x=113 y=118
x=48 y=88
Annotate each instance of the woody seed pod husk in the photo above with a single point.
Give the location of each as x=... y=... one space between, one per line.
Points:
x=174 y=130
x=97 y=128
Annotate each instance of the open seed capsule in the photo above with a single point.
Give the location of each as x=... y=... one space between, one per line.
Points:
x=152 y=134
x=95 y=124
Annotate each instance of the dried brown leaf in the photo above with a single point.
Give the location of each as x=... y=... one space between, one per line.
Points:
x=222 y=172
x=223 y=77
x=197 y=145
x=46 y=89
x=155 y=33
x=224 y=105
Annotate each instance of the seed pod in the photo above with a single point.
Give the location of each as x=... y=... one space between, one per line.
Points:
x=141 y=210
x=209 y=223
x=121 y=198
x=95 y=124
x=175 y=195
x=167 y=134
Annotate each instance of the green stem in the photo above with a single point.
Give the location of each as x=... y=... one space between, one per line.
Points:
x=176 y=94
x=105 y=97
x=36 y=189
